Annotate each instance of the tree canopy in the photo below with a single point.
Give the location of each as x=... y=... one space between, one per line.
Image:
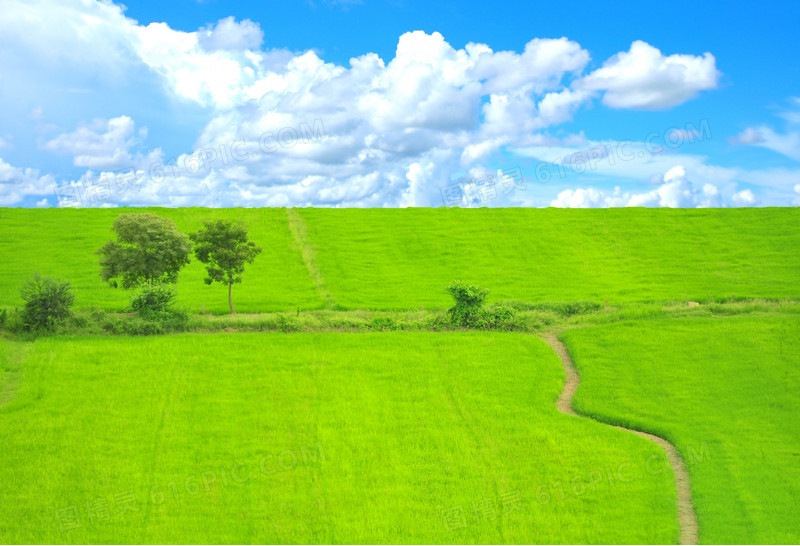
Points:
x=149 y=249
x=225 y=249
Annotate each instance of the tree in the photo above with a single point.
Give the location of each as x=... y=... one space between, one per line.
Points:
x=149 y=249
x=223 y=246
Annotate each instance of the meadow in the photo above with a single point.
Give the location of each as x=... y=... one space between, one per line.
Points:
x=724 y=391
x=325 y=438
x=340 y=406
x=402 y=259
x=63 y=243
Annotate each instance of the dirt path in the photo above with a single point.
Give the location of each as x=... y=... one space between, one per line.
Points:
x=300 y=235
x=687 y=519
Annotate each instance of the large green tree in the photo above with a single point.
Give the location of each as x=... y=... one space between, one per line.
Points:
x=149 y=250
x=225 y=249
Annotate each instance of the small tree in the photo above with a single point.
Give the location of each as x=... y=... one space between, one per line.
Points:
x=223 y=246
x=149 y=249
x=47 y=302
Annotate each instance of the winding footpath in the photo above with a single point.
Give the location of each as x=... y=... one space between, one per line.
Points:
x=687 y=519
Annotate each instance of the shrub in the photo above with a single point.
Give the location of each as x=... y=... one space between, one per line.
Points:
x=3 y=317
x=383 y=323
x=47 y=302
x=500 y=315
x=469 y=311
x=469 y=303
x=153 y=301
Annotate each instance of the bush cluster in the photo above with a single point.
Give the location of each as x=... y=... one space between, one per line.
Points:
x=469 y=310
x=153 y=301
x=47 y=303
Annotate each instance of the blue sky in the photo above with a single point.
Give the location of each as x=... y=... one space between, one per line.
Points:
x=399 y=103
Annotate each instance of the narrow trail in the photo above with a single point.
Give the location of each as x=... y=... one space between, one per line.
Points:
x=687 y=519
x=169 y=399
x=12 y=362
x=300 y=235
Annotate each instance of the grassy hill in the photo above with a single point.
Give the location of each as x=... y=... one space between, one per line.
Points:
x=415 y=436
x=403 y=258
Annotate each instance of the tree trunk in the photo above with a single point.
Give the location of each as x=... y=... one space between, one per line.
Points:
x=230 y=299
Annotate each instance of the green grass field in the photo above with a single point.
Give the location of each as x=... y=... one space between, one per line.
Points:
x=404 y=258
x=345 y=438
x=334 y=435
x=62 y=243
x=725 y=392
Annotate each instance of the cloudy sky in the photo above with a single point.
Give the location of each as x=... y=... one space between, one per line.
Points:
x=399 y=103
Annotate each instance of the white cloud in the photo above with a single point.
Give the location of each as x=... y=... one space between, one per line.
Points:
x=787 y=144
x=103 y=144
x=745 y=198
x=792 y=114
x=406 y=126
x=16 y=183
x=228 y=34
x=395 y=131
x=644 y=78
x=70 y=35
x=675 y=190
x=748 y=136
x=208 y=78
x=590 y=198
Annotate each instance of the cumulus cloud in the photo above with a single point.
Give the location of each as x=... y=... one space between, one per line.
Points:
x=646 y=79
x=398 y=131
x=71 y=35
x=16 y=183
x=102 y=144
x=290 y=128
x=675 y=190
x=745 y=198
x=227 y=33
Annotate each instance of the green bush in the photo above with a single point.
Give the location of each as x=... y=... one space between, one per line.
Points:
x=153 y=301
x=170 y=321
x=3 y=317
x=384 y=323
x=469 y=312
x=47 y=303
